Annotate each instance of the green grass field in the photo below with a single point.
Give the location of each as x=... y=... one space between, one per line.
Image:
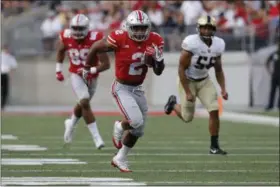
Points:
x=170 y=152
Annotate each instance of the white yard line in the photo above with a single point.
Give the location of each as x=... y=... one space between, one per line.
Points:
x=41 y=161
x=18 y=147
x=8 y=137
x=86 y=148
x=250 y=118
x=142 y=154
x=212 y=182
x=138 y=171
x=191 y=162
x=58 y=139
x=69 y=181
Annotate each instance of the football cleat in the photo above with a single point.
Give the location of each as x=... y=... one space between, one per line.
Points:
x=99 y=143
x=217 y=151
x=169 y=106
x=68 y=132
x=121 y=164
x=117 y=135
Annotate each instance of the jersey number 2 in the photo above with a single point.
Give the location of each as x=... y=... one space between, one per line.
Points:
x=136 y=68
x=199 y=65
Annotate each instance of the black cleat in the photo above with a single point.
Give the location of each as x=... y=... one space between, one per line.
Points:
x=217 y=151
x=169 y=106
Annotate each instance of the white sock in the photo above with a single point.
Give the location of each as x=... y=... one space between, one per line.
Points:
x=74 y=119
x=93 y=129
x=123 y=152
x=119 y=126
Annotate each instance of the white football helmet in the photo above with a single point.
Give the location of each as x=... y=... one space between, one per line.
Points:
x=79 y=26
x=207 y=22
x=138 y=25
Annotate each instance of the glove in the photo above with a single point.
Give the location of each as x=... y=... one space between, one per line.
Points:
x=59 y=76
x=155 y=52
x=158 y=55
x=86 y=74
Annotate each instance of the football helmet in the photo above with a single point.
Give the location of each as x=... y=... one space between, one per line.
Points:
x=138 y=25
x=206 y=27
x=79 y=26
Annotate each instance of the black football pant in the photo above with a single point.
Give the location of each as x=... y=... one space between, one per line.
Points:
x=275 y=83
x=4 y=89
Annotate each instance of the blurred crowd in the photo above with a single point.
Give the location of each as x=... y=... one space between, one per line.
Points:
x=174 y=19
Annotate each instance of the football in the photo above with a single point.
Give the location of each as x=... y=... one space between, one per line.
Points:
x=149 y=60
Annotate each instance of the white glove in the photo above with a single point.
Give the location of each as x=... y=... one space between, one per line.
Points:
x=158 y=55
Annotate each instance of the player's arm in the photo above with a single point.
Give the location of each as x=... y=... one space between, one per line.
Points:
x=184 y=63
x=60 y=55
x=159 y=65
x=220 y=73
x=104 y=62
x=99 y=48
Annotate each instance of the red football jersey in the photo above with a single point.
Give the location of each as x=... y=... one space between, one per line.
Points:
x=77 y=52
x=128 y=55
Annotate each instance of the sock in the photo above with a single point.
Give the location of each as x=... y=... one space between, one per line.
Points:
x=74 y=119
x=119 y=126
x=214 y=141
x=123 y=152
x=93 y=129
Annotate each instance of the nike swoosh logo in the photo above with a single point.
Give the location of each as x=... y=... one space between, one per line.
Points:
x=214 y=151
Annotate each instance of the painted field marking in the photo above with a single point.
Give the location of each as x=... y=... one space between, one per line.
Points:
x=8 y=137
x=12 y=147
x=191 y=162
x=86 y=148
x=69 y=181
x=30 y=161
x=137 y=171
x=212 y=182
x=57 y=139
x=142 y=154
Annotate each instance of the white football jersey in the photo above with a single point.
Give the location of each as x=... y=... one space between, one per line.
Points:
x=204 y=57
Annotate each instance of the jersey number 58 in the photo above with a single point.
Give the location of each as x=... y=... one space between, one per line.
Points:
x=199 y=65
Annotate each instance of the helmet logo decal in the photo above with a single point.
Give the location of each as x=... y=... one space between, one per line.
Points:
x=139 y=15
x=78 y=18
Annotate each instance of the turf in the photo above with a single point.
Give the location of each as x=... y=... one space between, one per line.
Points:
x=170 y=152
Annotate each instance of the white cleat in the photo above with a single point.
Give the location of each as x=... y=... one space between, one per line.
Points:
x=99 y=143
x=117 y=135
x=121 y=164
x=68 y=132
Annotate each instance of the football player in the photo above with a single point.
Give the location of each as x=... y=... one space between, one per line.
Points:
x=134 y=48
x=199 y=53
x=76 y=42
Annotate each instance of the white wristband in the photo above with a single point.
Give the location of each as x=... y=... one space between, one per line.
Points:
x=58 y=67
x=93 y=70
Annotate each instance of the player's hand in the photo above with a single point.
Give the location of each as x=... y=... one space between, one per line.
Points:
x=158 y=54
x=190 y=97
x=86 y=75
x=59 y=76
x=224 y=94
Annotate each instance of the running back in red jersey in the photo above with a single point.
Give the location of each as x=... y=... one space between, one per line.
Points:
x=130 y=63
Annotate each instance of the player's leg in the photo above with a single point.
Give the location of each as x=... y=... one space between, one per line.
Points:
x=209 y=98
x=84 y=94
x=133 y=124
x=71 y=122
x=185 y=110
